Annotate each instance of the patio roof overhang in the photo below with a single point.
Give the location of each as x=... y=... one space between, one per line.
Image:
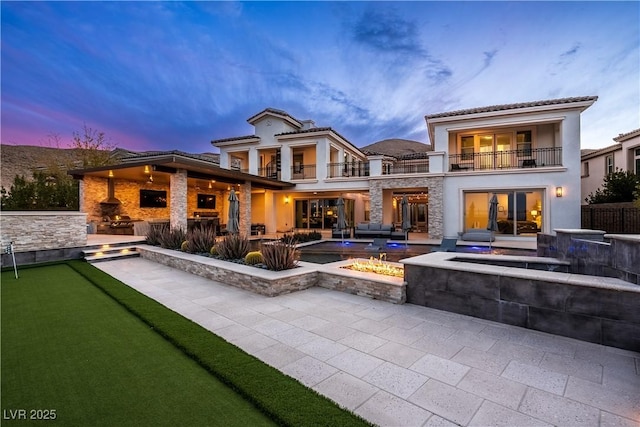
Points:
x=161 y=166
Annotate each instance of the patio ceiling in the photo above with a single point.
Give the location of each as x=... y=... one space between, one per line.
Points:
x=200 y=172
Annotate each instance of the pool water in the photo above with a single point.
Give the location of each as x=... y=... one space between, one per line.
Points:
x=326 y=252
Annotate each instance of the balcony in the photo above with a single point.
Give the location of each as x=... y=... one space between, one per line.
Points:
x=411 y=166
x=303 y=172
x=348 y=169
x=511 y=159
x=271 y=171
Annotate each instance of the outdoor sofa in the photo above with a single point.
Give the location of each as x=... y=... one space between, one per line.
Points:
x=376 y=229
x=477 y=235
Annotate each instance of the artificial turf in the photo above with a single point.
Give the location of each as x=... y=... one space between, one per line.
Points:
x=68 y=347
x=281 y=398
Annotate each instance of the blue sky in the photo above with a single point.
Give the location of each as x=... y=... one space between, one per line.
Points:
x=174 y=75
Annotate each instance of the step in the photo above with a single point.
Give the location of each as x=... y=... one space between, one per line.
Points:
x=110 y=252
x=111 y=257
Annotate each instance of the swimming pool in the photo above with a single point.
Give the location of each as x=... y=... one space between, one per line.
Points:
x=326 y=252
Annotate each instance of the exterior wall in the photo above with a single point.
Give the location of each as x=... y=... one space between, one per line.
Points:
x=597 y=170
x=40 y=230
x=627 y=161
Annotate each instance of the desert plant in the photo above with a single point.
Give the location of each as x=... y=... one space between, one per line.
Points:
x=201 y=239
x=154 y=233
x=184 y=247
x=301 y=237
x=280 y=255
x=253 y=258
x=233 y=246
x=172 y=238
x=213 y=251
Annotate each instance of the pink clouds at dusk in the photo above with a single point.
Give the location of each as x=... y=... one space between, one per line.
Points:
x=175 y=75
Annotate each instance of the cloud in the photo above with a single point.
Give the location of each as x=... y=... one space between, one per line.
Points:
x=387 y=32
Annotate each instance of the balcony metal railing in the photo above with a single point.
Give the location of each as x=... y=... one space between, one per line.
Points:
x=269 y=172
x=303 y=172
x=406 y=166
x=512 y=159
x=348 y=169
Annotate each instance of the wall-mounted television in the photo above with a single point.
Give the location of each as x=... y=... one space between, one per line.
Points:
x=206 y=201
x=153 y=199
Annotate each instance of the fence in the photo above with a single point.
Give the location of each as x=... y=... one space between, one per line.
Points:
x=613 y=218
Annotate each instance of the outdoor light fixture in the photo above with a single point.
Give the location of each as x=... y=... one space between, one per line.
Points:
x=146 y=169
x=110 y=173
x=210 y=186
x=286 y=200
x=558 y=191
x=150 y=180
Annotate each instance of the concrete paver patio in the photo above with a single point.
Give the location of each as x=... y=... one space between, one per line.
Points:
x=405 y=365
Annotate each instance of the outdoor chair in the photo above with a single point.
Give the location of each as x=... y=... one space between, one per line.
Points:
x=447 y=245
x=376 y=245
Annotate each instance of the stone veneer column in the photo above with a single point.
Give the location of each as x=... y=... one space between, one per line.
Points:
x=375 y=201
x=178 y=200
x=245 y=209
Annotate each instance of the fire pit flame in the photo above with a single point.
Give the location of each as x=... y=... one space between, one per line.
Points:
x=378 y=266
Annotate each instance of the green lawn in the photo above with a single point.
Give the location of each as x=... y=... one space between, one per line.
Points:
x=68 y=346
x=77 y=341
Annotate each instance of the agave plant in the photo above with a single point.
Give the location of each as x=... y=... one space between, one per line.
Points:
x=172 y=238
x=201 y=240
x=233 y=246
x=280 y=255
x=154 y=233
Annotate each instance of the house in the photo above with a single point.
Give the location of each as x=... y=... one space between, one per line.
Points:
x=290 y=174
x=596 y=164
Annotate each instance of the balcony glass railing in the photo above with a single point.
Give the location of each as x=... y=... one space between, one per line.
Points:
x=303 y=172
x=406 y=166
x=511 y=159
x=348 y=169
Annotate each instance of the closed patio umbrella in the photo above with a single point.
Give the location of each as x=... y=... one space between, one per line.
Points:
x=342 y=220
x=406 y=219
x=493 y=218
x=233 y=222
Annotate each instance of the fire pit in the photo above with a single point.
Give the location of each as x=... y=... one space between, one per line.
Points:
x=377 y=266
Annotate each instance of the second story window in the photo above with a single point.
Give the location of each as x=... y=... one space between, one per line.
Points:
x=523 y=141
x=585 y=169
x=637 y=161
x=608 y=164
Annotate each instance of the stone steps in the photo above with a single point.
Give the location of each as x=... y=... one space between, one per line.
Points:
x=110 y=252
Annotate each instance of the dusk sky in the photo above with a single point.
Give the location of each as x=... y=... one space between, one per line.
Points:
x=175 y=75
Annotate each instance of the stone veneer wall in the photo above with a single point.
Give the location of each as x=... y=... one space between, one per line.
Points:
x=434 y=186
x=245 y=209
x=356 y=285
x=605 y=314
x=43 y=230
x=178 y=199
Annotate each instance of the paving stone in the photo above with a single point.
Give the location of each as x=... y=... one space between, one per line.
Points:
x=446 y=401
x=598 y=354
x=309 y=371
x=548 y=342
x=432 y=330
x=488 y=362
x=399 y=381
x=268 y=308
x=439 y=347
x=621 y=379
x=363 y=342
x=250 y=319
x=403 y=321
x=355 y=362
x=492 y=414
x=438 y=421
x=529 y=355
x=287 y=314
x=558 y=410
x=333 y=332
x=441 y=369
x=610 y=420
x=254 y=343
x=279 y=355
x=472 y=339
x=369 y=326
x=398 y=354
x=625 y=404
x=271 y=327
x=399 y=335
x=309 y=322
x=347 y=390
x=234 y=331
x=385 y=409
x=322 y=348
x=571 y=366
x=213 y=322
x=534 y=376
x=294 y=337
x=376 y=313
x=494 y=388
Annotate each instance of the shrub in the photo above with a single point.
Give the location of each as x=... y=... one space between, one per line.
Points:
x=213 y=251
x=201 y=239
x=172 y=238
x=302 y=237
x=253 y=258
x=154 y=233
x=184 y=247
x=280 y=255
x=234 y=246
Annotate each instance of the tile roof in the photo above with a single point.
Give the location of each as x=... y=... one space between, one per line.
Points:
x=276 y=112
x=628 y=135
x=503 y=107
x=234 y=138
x=311 y=130
x=207 y=157
x=588 y=154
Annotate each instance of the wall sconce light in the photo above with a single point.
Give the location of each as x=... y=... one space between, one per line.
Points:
x=558 y=191
x=146 y=169
x=286 y=200
x=150 y=180
x=110 y=173
x=210 y=186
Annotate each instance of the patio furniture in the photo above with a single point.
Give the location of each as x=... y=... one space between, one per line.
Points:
x=446 y=245
x=376 y=245
x=477 y=235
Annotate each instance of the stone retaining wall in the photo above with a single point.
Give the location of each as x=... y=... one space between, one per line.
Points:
x=43 y=230
x=594 y=309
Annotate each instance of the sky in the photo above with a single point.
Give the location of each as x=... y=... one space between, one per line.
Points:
x=176 y=75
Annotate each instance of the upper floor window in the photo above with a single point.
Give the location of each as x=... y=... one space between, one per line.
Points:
x=637 y=161
x=523 y=141
x=585 y=169
x=608 y=164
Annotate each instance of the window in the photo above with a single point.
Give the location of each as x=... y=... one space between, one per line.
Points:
x=608 y=164
x=467 y=148
x=637 y=161
x=523 y=141
x=519 y=212
x=585 y=169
